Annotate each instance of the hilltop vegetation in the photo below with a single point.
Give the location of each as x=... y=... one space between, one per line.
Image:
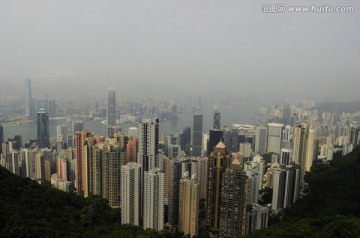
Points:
x=28 y=209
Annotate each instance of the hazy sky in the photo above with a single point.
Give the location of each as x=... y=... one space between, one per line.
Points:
x=178 y=47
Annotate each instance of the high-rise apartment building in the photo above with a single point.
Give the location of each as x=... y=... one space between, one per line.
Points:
x=202 y=175
x=301 y=147
x=189 y=206
x=148 y=144
x=286 y=156
x=174 y=177
x=285 y=187
x=197 y=134
x=154 y=185
x=79 y=145
x=233 y=201
x=219 y=161
x=260 y=140
x=257 y=218
x=111 y=112
x=274 y=137
x=43 y=137
x=130 y=193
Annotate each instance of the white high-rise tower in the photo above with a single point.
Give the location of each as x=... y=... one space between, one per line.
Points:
x=154 y=188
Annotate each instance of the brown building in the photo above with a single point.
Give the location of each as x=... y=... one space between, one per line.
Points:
x=79 y=145
x=189 y=196
x=132 y=150
x=219 y=161
x=233 y=201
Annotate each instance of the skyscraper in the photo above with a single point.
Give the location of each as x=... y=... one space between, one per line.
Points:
x=154 y=185
x=217 y=120
x=43 y=137
x=285 y=187
x=286 y=156
x=1 y=137
x=215 y=136
x=185 y=140
x=29 y=102
x=147 y=152
x=301 y=146
x=219 y=161
x=111 y=112
x=79 y=145
x=201 y=174
x=354 y=135
x=275 y=132
x=130 y=190
x=233 y=201
x=148 y=143
x=174 y=176
x=197 y=134
x=260 y=140
x=189 y=206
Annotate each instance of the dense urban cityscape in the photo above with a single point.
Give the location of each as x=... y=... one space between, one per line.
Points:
x=227 y=181
x=179 y=119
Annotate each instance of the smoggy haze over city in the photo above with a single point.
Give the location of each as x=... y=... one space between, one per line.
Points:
x=180 y=47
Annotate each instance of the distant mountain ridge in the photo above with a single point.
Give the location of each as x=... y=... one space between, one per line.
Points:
x=347 y=107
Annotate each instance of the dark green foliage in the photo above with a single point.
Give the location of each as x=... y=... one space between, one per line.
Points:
x=265 y=196
x=267 y=157
x=331 y=209
x=28 y=209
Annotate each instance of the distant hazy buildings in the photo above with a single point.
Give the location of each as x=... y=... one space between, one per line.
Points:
x=43 y=137
x=217 y=120
x=274 y=138
x=260 y=140
x=1 y=137
x=111 y=112
x=133 y=132
x=197 y=134
x=29 y=101
x=185 y=140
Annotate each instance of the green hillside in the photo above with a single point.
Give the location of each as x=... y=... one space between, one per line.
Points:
x=28 y=209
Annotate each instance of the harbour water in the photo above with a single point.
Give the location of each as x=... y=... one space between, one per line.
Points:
x=230 y=113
